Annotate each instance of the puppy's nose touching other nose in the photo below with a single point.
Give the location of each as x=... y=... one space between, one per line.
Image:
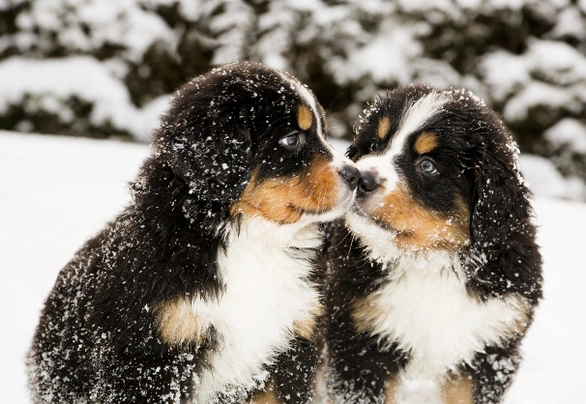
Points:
x=351 y=175
x=366 y=184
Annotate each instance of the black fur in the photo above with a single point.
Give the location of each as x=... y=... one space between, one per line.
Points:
x=97 y=340
x=476 y=158
x=357 y=369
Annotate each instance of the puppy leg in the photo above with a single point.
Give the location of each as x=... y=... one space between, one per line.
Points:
x=292 y=377
x=164 y=377
x=357 y=371
x=493 y=372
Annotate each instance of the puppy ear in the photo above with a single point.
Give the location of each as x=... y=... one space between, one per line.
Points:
x=205 y=139
x=502 y=251
x=499 y=200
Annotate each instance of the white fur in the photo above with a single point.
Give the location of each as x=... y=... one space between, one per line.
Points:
x=429 y=313
x=426 y=309
x=379 y=242
x=346 y=198
x=265 y=271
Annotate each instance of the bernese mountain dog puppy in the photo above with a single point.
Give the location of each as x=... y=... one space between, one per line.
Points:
x=434 y=276
x=202 y=289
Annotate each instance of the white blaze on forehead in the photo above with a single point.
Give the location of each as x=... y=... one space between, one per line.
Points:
x=413 y=118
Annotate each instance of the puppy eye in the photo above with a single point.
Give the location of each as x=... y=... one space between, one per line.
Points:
x=373 y=147
x=428 y=167
x=292 y=141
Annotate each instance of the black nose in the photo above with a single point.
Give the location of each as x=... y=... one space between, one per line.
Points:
x=351 y=175
x=367 y=183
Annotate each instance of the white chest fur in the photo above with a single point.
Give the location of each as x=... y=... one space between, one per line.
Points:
x=265 y=271
x=426 y=309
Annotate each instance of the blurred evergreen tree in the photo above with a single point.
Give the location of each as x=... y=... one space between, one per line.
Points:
x=525 y=58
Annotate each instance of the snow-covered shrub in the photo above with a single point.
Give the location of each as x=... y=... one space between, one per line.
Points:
x=526 y=58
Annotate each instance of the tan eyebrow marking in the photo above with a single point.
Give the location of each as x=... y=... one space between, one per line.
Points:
x=426 y=142
x=304 y=117
x=383 y=127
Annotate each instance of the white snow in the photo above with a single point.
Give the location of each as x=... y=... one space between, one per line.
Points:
x=504 y=73
x=88 y=24
x=545 y=180
x=399 y=46
x=54 y=81
x=55 y=192
x=570 y=132
x=538 y=93
x=549 y=73
x=80 y=76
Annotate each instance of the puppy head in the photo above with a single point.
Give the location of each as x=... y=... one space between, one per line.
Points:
x=250 y=140
x=439 y=172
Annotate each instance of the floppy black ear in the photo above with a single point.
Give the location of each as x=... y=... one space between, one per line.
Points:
x=204 y=139
x=504 y=254
x=500 y=207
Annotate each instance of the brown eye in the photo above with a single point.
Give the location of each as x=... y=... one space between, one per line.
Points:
x=373 y=147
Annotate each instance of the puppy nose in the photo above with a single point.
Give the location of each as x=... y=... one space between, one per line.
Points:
x=367 y=183
x=351 y=175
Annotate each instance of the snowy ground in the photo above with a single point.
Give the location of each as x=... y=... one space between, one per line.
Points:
x=55 y=192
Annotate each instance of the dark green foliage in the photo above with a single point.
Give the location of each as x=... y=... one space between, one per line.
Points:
x=346 y=51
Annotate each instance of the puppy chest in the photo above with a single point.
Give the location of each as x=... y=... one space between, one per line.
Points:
x=265 y=296
x=430 y=315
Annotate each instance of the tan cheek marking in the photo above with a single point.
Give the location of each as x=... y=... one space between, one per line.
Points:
x=178 y=324
x=418 y=227
x=383 y=127
x=268 y=199
x=306 y=328
x=304 y=117
x=321 y=185
x=284 y=200
x=458 y=389
x=426 y=142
